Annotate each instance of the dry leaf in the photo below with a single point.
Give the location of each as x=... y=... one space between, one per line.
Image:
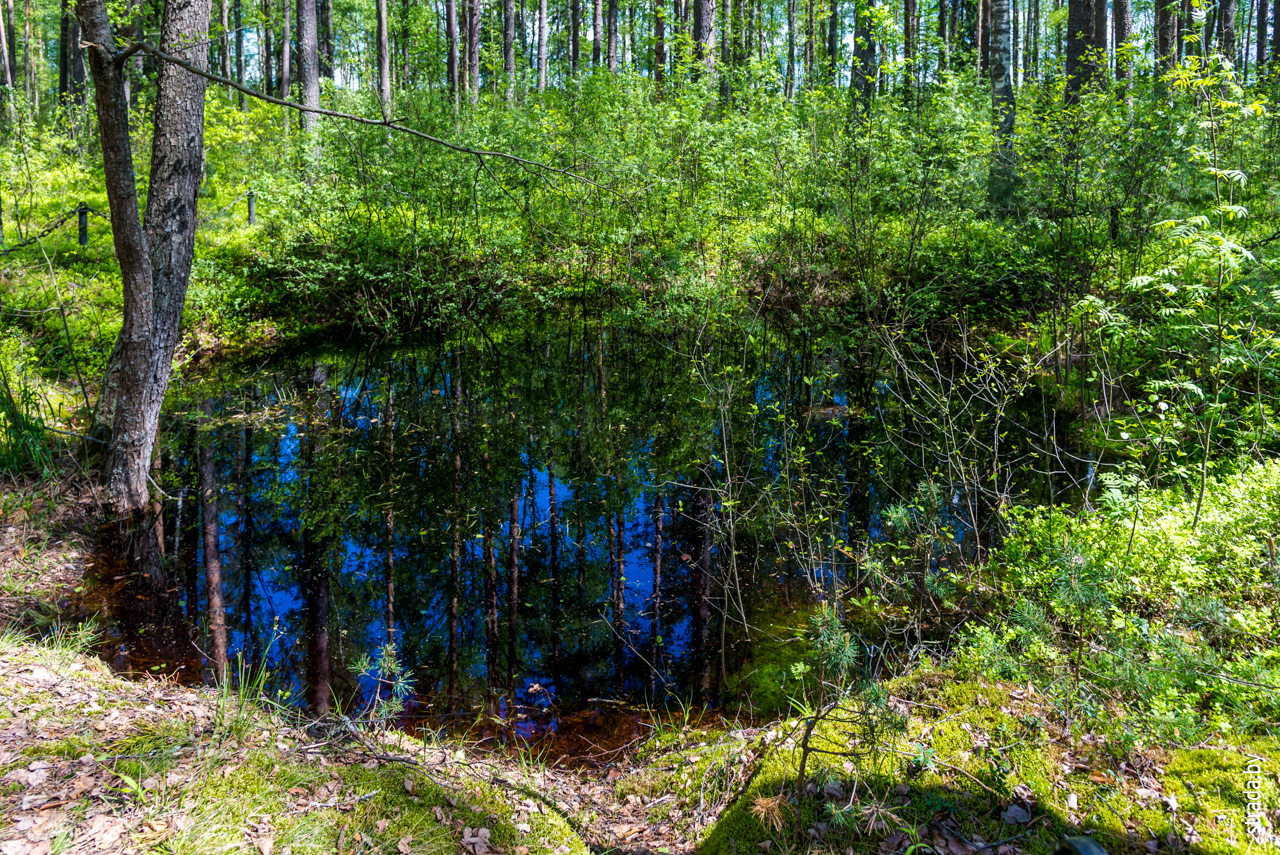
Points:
x=405 y=845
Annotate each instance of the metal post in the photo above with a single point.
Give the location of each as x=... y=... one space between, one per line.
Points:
x=253 y=213
x=83 y=211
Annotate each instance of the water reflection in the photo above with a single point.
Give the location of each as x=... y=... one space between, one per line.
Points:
x=533 y=518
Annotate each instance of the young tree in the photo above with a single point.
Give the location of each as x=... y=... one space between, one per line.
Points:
x=155 y=253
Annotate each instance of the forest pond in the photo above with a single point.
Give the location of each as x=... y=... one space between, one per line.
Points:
x=546 y=522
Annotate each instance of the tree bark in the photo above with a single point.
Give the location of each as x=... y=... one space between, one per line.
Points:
x=789 y=87
x=308 y=60
x=1166 y=35
x=659 y=44
x=597 y=31
x=490 y=612
x=384 y=54
x=1260 y=49
x=704 y=32
x=473 y=49
x=509 y=47
x=655 y=604
x=1100 y=31
x=1122 y=14
x=1000 y=180
x=212 y=557
x=553 y=565
x=155 y=255
x=1227 y=29
x=542 y=45
x=451 y=38
x=612 y=29
x=833 y=43
x=455 y=566
x=1081 y=20
x=513 y=603
x=575 y=36
x=864 y=69
x=324 y=24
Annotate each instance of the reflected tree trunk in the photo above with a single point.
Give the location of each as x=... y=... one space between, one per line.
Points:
x=212 y=557
x=490 y=612
x=389 y=515
x=701 y=606
x=244 y=511
x=655 y=605
x=553 y=564
x=455 y=567
x=513 y=602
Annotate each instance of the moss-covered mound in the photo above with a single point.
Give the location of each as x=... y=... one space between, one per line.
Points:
x=965 y=767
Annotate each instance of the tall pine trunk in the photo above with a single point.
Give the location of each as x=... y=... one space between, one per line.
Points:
x=308 y=60
x=1081 y=20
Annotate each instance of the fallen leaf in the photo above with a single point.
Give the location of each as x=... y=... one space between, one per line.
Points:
x=405 y=845
x=1016 y=815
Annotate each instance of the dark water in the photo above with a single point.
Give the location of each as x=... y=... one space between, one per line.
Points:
x=361 y=493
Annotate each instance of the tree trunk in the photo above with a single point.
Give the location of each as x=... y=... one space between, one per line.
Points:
x=316 y=596
x=238 y=10
x=1261 y=47
x=612 y=30
x=618 y=607
x=513 y=603
x=553 y=565
x=704 y=32
x=1166 y=35
x=864 y=68
x=542 y=45
x=575 y=36
x=266 y=49
x=308 y=60
x=1100 y=31
x=451 y=39
x=384 y=54
x=64 y=39
x=659 y=44
x=13 y=43
x=490 y=613
x=212 y=558
x=509 y=47
x=655 y=604
x=244 y=513
x=473 y=48
x=389 y=514
x=286 y=59
x=324 y=24
x=1081 y=20
x=701 y=589
x=1000 y=180
x=1122 y=15
x=597 y=31
x=833 y=43
x=455 y=567
x=1227 y=29
x=789 y=86
x=155 y=255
